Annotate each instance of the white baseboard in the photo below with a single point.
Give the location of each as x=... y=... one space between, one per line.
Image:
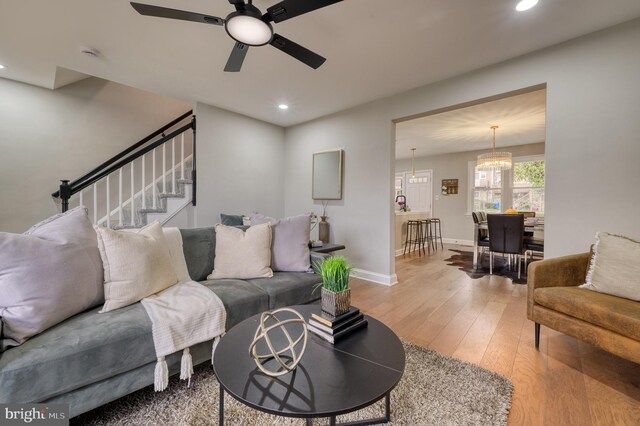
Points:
x=374 y=277
x=458 y=242
x=469 y=243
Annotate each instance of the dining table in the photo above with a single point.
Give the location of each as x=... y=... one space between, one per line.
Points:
x=537 y=227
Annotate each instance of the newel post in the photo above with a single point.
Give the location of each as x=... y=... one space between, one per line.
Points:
x=194 y=177
x=65 y=194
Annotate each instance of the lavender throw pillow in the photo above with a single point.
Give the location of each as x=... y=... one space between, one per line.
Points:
x=290 y=242
x=47 y=274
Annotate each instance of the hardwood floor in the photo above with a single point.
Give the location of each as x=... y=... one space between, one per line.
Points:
x=483 y=321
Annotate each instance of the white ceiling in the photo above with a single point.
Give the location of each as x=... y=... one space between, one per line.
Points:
x=374 y=48
x=521 y=121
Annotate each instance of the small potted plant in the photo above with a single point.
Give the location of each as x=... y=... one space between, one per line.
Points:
x=336 y=294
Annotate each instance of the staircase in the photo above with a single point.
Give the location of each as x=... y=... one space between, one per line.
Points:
x=153 y=179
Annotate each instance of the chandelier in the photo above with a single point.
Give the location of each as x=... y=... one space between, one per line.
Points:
x=494 y=160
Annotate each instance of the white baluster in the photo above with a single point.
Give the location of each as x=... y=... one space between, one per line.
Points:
x=133 y=195
x=108 y=204
x=144 y=196
x=120 y=215
x=182 y=156
x=164 y=168
x=81 y=199
x=173 y=165
x=153 y=181
x=95 y=203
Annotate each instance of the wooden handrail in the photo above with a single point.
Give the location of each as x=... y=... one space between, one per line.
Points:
x=81 y=182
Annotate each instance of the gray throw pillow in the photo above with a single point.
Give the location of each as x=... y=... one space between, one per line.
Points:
x=47 y=274
x=290 y=242
x=199 y=247
x=231 y=219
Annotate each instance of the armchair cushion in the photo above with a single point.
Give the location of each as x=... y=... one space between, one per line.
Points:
x=613 y=313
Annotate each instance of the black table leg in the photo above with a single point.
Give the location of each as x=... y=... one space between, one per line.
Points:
x=379 y=420
x=387 y=408
x=221 y=408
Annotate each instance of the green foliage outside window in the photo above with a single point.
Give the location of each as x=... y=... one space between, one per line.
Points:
x=530 y=171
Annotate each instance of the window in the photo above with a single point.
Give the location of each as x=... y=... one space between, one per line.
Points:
x=528 y=186
x=521 y=188
x=487 y=191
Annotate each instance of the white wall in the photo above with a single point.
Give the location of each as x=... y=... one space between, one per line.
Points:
x=592 y=146
x=457 y=224
x=362 y=219
x=240 y=165
x=48 y=135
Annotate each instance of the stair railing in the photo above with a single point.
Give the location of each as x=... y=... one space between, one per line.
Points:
x=145 y=152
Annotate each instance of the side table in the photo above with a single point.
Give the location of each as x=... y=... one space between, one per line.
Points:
x=328 y=248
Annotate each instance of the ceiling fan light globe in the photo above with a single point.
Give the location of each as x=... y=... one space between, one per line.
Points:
x=525 y=5
x=249 y=30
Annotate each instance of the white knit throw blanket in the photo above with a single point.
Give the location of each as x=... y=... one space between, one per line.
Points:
x=182 y=315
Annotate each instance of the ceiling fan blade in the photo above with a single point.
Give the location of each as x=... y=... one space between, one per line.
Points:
x=165 y=12
x=288 y=9
x=234 y=63
x=300 y=53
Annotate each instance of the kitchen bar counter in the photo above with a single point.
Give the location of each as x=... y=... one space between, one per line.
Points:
x=401 y=226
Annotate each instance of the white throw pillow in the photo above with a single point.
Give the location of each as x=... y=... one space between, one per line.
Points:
x=173 y=237
x=241 y=254
x=615 y=266
x=136 y=265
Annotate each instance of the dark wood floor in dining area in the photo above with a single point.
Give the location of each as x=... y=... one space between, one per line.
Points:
x=483 y=321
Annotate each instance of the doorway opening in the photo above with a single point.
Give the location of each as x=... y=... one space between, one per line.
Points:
x=441 y=148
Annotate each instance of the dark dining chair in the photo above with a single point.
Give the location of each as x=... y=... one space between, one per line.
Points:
x=528 y=233
x=506 y=235
x=532 y=245
x=483 y=237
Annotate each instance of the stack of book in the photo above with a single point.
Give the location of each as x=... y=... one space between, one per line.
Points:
x=332 y=328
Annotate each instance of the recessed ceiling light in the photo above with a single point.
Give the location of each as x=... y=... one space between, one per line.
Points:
x=283 y=106
x=526 y=5
x=2 y=67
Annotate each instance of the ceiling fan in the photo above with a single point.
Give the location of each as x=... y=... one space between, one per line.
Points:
x=250 y=27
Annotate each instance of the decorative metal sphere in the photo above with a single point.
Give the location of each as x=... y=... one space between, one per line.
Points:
x=263 y=333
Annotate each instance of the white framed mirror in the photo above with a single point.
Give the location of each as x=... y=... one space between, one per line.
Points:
x=326 y=179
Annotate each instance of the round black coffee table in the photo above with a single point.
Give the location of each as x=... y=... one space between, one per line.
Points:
x=330 y=380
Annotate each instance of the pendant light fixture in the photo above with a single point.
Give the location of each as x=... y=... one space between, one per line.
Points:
x=413 y=166
x=495 y=160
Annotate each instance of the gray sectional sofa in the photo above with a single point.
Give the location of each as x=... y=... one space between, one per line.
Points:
x=92 y=358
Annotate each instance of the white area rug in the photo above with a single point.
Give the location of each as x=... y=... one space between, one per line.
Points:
x=434 y=390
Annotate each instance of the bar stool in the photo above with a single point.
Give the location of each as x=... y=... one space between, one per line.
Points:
x=414 y=236
x=426 y=234
x=435 y=231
